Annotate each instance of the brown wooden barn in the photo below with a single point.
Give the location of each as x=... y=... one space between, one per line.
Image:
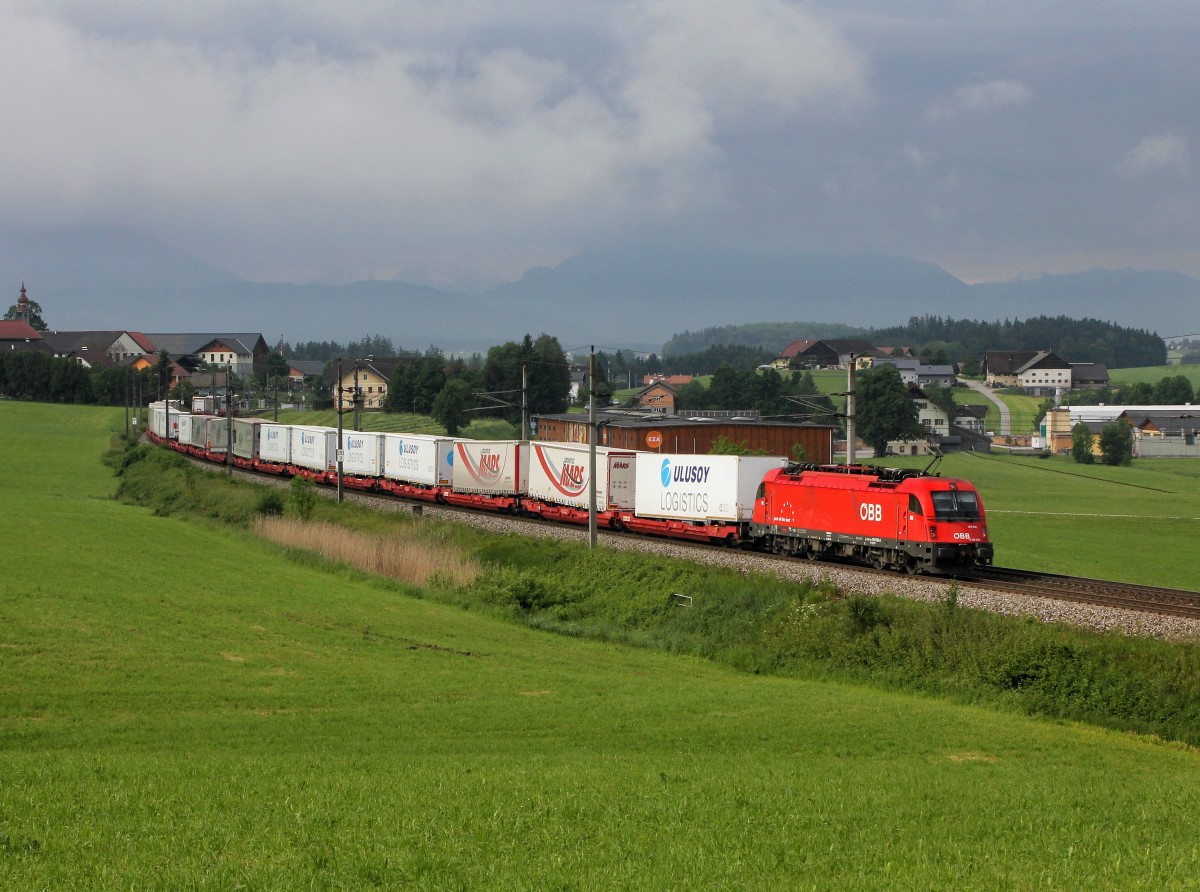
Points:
x=683 y=435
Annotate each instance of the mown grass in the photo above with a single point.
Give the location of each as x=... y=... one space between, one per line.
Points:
x=182 y=705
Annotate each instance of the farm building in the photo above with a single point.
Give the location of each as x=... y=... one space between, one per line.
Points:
x=691 y=435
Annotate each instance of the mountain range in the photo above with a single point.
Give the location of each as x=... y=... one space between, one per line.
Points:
x=613 y=297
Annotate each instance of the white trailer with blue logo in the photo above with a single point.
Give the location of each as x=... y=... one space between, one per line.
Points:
x=708 y=497
x=275 y=447
x=314 y=453
x=362 y=453
x=421 y=460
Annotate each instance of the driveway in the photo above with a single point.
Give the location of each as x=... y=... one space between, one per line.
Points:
x=1005 y=416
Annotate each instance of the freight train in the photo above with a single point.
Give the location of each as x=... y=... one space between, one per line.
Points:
x=890 y=518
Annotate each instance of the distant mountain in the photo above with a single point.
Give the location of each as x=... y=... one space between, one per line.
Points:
x=111 y=278
x=636 y=297
x=71 y=261
x=631 y=297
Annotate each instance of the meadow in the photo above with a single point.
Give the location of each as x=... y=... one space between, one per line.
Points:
x=1154 y=374
x=186 y=705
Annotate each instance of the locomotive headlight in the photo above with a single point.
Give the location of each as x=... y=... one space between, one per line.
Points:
x=932 y=531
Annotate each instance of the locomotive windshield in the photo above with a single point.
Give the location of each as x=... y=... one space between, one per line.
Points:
x=953 y=505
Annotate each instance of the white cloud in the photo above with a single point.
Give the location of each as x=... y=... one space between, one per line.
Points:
x=982 y=97
x=1154 y=154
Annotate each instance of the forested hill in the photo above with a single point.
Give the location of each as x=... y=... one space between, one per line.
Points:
x=1075 y=340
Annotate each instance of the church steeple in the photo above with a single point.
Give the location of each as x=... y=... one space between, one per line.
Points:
x=23 y=305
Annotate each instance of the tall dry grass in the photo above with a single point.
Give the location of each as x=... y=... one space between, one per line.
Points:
x=401 y=556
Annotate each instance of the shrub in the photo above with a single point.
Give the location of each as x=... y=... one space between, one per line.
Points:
x=302 y=497
x=270 y=504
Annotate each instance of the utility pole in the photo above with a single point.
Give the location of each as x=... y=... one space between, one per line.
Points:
x=167 y=408
x=525 y=401
x=229 y=419
x=128 y=396
x=357 y=401
x=850 y=434
x=339 y=394
x=592 y=449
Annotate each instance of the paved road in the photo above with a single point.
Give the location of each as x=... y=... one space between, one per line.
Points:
x=1005 y=416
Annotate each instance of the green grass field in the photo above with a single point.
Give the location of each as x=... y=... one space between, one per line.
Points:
x=182 y=705
x=1154 y=374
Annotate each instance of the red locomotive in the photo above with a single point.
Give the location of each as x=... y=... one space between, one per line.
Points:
x=888 y=517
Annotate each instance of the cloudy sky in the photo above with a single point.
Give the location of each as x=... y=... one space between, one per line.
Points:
x=459 y=142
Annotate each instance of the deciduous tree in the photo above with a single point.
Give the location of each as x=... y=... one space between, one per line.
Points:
x=1116 y=443
x=1081 y=444
x=884 y=409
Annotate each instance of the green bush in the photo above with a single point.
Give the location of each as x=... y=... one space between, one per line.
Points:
x=270 y=504
x=302 y=497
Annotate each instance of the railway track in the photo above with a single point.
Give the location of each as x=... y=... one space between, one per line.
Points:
x=1079 y=590
x=1100 y=592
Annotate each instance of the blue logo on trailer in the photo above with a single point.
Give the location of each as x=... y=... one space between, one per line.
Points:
x=683 y=473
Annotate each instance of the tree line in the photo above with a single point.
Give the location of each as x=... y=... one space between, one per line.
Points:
x=43 y=378
x=454 y=391
x=959 y=341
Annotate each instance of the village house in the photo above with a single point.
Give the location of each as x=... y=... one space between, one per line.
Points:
x=823 y=354
x=365 y=380
x=916 y=373
x=1037 y=372
x=659 y=397
x=242 y=351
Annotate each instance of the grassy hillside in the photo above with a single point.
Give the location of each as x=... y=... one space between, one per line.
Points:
x=1154 y=374
x=183 y=705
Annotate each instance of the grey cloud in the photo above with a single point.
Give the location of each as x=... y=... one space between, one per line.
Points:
x=467 y=140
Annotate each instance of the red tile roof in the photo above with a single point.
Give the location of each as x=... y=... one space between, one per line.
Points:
x=18 y=330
